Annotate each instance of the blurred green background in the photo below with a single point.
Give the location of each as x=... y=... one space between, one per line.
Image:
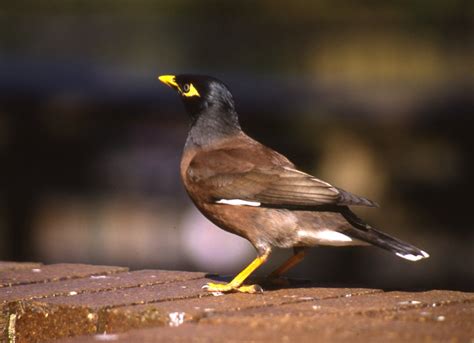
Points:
x=375 y=97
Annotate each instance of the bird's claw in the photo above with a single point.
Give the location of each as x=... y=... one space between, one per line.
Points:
x=227 y=287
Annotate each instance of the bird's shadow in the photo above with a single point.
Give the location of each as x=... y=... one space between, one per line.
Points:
x=267 y=283
x=297 y=283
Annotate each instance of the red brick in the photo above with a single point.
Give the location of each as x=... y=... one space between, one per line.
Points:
x=53 y=272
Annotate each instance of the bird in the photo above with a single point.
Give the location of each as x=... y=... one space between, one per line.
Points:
x=250 y=190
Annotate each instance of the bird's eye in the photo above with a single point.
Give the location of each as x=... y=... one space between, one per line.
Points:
x=188 y=90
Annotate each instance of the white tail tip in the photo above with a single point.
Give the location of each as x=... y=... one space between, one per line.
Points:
x=414 y=258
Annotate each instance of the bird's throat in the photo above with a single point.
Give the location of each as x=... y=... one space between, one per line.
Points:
x=211 y=126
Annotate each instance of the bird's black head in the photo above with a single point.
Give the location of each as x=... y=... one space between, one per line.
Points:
x=209 y=103
x=200 y=93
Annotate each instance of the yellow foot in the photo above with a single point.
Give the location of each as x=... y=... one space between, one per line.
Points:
x=250 y=289
x=227 y=287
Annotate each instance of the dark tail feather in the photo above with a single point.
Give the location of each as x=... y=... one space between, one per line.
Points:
x=366 y=233
x=347 y=198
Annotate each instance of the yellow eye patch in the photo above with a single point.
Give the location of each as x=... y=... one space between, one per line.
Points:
x=187 y=90
x=190 y=90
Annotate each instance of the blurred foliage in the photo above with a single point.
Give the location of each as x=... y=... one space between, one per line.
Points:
x=364 y=37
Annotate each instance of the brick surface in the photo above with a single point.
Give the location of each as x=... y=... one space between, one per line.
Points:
x=53 y=272
x=37 y=320
x=79 y=303
x=194 y=309
x=6 y=265
x=93 y=283
x=446 y=323
x=24 y=281
x=370 y=304
x=62 y=308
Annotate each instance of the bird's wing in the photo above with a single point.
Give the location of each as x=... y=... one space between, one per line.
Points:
x=263 y=178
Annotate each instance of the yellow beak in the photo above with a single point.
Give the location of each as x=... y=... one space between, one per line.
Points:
x=169 y=80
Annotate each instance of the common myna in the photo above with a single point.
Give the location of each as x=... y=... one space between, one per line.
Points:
x=253 y=191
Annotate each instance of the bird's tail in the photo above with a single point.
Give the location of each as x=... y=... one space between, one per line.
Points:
x=366 y=233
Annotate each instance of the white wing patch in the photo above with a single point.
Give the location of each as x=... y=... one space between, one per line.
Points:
x=414 y=258
x=238 y=202
x=332 y=236
x=327 y=237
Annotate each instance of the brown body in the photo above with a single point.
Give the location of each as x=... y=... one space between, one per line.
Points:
x=263 y=227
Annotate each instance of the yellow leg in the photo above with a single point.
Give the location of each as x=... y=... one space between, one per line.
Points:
x=290 y=263
x=236 y=283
